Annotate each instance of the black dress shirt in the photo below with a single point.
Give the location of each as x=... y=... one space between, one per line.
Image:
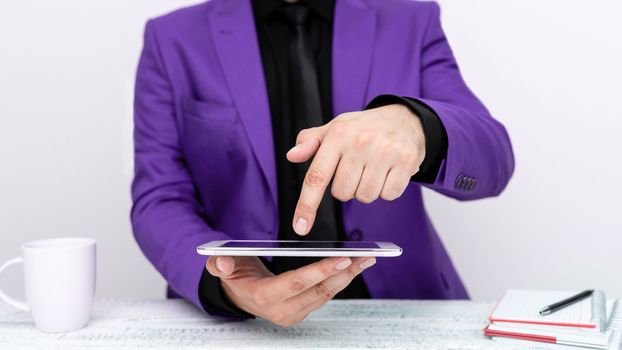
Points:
x=274 y=35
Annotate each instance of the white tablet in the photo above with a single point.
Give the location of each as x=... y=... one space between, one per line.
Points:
x=299 y=248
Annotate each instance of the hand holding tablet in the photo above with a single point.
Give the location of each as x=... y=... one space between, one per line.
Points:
x=288 y=298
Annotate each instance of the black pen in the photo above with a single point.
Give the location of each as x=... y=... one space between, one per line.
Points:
x=566 y=302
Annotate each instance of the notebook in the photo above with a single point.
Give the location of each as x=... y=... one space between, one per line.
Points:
x=593 y=322
x=528 y=344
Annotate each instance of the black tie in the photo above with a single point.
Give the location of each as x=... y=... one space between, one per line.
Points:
x=306 y=109
x=303 y=76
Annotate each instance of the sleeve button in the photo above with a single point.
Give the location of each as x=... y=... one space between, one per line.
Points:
x=459 y=184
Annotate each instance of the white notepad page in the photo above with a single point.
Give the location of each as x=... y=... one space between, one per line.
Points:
x=523 y=306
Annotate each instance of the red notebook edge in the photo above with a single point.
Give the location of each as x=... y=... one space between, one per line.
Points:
x=523 y=336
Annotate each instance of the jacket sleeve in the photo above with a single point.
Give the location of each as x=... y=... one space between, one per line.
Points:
x=167 y=219
x=479 y=160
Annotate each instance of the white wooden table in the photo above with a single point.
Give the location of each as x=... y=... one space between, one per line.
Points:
x=175 y=324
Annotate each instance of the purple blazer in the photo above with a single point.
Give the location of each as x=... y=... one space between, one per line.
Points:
x=204 y=156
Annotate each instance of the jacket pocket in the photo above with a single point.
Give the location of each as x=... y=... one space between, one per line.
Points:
x=209 y=111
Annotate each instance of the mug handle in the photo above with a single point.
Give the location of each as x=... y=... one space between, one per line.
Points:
x=15 y=303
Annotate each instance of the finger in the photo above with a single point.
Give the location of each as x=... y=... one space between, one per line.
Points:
x=302 y=152
x=395 y=184
x=347 y=178
x=314 y=298
x=372 y=180
x=220 y=266
x=307 y=144
x=294 y=282
x=327 y=289
x=317 y=178
x=336 y=284
x=227 y=266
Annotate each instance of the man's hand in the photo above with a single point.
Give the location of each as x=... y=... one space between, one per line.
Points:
x=288 y=298
x=367 y=154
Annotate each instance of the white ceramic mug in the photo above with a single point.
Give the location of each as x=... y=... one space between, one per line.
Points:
x=59 y=277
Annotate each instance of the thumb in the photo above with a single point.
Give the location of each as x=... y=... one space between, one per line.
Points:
x=220 y=266
x=307 y=143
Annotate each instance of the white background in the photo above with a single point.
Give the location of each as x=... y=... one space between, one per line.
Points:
x=550 y=70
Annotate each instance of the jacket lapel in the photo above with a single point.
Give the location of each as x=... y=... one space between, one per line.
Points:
x=233 y=30
x=353 y=45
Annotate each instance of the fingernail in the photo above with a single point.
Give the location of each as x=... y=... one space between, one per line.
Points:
x=367 y=263
x=293 y=149
x=219 y=264
x=301 y=226
x=343 y=264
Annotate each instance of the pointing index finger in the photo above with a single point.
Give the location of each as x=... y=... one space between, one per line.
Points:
x=316 y=180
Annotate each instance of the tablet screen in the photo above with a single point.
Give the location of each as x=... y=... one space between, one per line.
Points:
x=301 y=244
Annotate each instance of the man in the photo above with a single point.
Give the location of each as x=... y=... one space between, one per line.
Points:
x=235 y=139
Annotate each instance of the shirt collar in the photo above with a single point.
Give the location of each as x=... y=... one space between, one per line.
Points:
x=324 y=8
